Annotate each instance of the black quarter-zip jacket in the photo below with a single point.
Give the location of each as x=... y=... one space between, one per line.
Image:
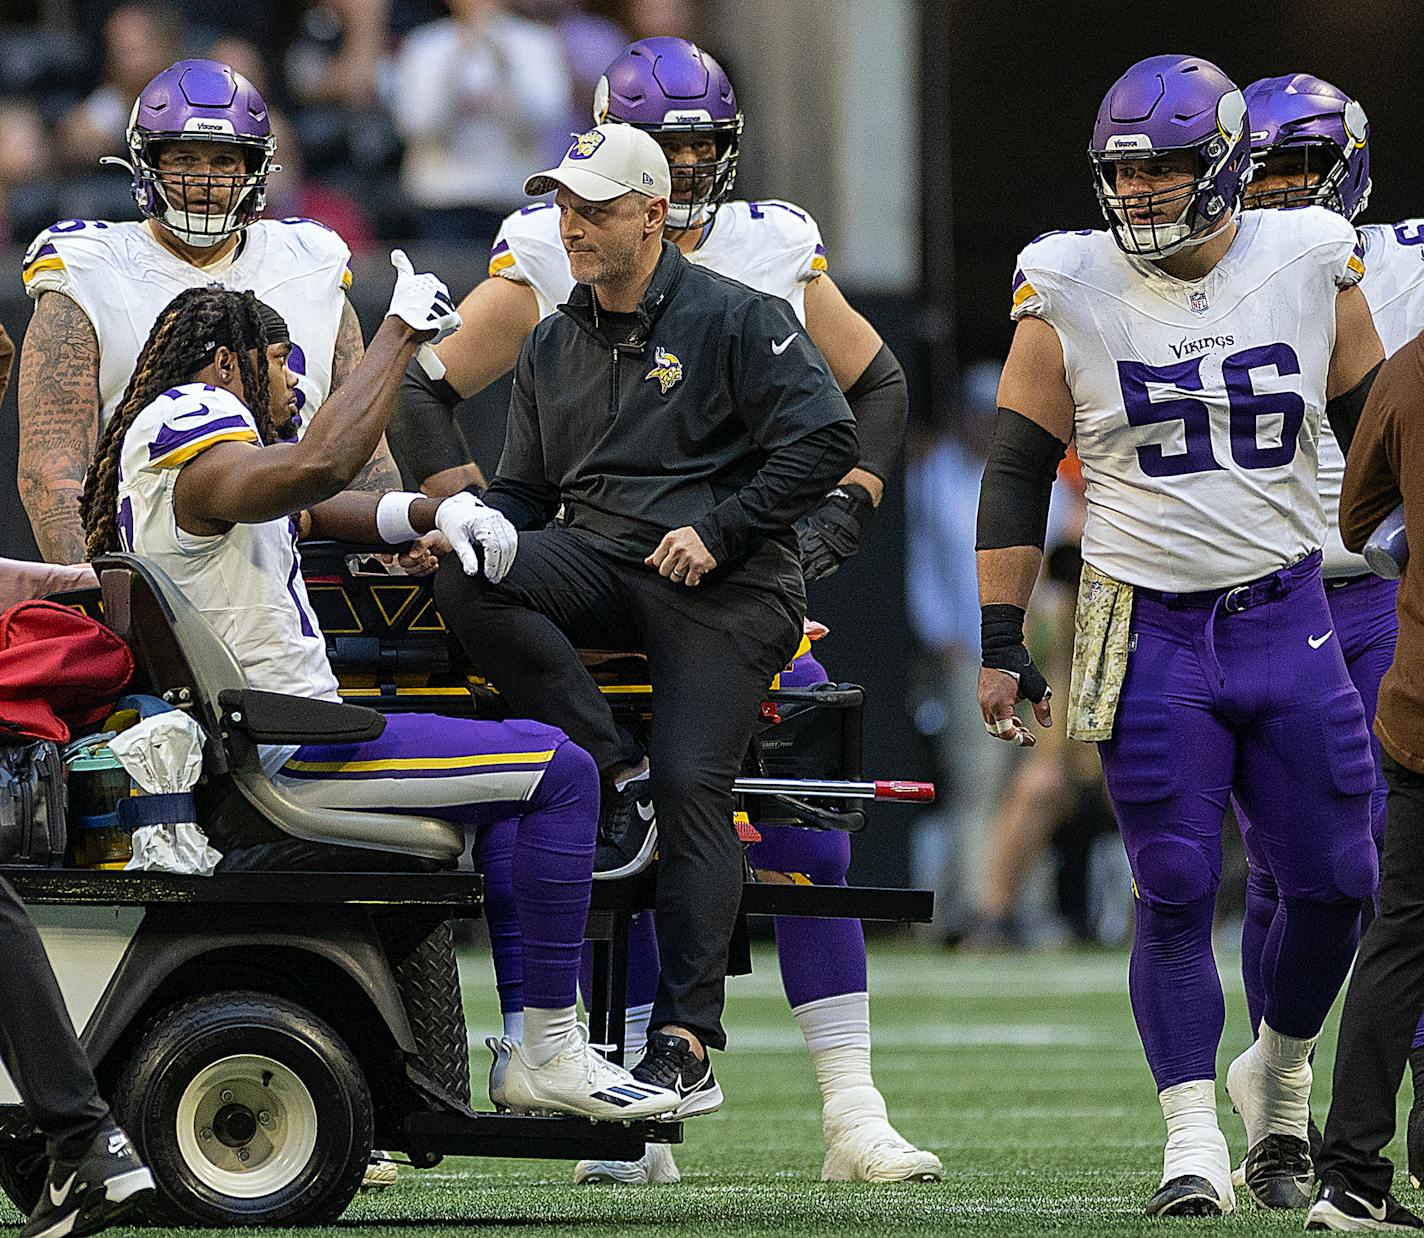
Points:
x=717 y=413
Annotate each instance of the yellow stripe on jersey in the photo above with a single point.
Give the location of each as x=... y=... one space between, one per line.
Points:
x=1025 y=291
x=801 y=650
x=502 y=263
x=1357 y=266
x=818 y=264
x=393 y=764
x=52 y=263
x=185 y=453
x=346 y=278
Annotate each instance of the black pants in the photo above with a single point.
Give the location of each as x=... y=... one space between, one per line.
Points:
x=37 y=1041
x=712 y=650
x=1384 y=1000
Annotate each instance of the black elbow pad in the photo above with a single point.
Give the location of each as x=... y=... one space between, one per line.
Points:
x=1018 y=481
x=1343 y=412
x=880 y=400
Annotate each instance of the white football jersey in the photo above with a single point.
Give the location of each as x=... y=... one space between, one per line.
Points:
x=1394 y=287
x=1197 y=404
x=122 y=279
x=771 y=246
x=247 y=582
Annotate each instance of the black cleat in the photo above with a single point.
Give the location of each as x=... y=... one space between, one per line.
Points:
x=83 y=1196
x=669 y=1062
x=1280 y=1173
x=627 y=831
x=1356 y=1212
x=1188 y=1196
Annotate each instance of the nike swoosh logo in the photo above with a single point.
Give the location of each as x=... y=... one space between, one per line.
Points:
x=58 y=1197
x=646 y=811
x=1376 y=1211
x=1316 y=641
x=778 y=349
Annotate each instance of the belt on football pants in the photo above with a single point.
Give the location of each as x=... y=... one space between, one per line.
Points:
x=1233 y=601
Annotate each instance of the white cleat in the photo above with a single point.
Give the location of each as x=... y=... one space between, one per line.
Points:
x=498 y=1046
x=580 y=1081
x=862 y=1146
x=654 y=1168
x=380 y=1173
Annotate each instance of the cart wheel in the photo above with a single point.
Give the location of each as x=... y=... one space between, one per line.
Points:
x=250 y=1110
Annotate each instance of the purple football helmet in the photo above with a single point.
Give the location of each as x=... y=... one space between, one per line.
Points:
x=671 y=86
x=1315 y=133
x=1162 y=105
x=200 y=100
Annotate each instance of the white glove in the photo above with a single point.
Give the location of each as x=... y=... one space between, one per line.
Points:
x=466 y=521
x=422 y=300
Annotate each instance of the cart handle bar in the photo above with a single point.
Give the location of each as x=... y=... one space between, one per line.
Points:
x=832 y=788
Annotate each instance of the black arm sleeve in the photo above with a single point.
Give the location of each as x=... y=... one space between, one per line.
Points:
x=791 y=482
x=521 y=490
x=1343 y=412
x=880 y=400
x=1018 y=480
x=422 y=433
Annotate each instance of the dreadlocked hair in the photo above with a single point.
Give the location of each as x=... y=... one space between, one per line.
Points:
x=177 y=350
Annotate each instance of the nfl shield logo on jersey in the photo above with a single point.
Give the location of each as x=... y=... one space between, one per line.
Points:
x=1197 y=303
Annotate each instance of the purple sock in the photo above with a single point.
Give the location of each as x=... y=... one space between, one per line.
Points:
x=1261 y=899
x=493 y=856
x=552 y=870
x=1307 y=954
x=643 y=963
x=819 y=958
x=1175 y=989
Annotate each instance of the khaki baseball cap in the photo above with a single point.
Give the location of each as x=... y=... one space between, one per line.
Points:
x=607 y=162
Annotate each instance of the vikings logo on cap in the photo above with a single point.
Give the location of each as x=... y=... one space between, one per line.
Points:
x=667 y=370
x=585 y=144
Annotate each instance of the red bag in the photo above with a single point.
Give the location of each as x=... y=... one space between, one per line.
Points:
x=57 y=667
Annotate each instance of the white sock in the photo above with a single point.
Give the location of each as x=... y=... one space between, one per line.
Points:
x=1282 y=1096
x=1195 y=1144
x=546 y=1032
x=643 y=777
x=635 y=1032
x=514 y=1024
x=837 y=1032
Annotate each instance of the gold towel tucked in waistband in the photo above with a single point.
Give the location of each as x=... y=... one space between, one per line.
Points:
x=1101 y=634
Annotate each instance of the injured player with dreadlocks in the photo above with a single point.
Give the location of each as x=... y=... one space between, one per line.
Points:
x=190 y=474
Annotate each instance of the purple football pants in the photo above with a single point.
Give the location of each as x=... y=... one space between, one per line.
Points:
x=818 y=958
x=530 y=794
x=1252 y=703
x=1363 y=610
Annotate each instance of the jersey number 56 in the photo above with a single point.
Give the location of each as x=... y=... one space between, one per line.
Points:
x=1145 y=405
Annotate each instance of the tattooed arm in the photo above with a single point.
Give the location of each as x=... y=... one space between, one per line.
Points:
x=380 y=472
x=59 y=423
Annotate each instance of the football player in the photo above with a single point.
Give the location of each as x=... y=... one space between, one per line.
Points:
x=192 y=472
x=1190 y=351
x=200 y=148
x=1310 y=145
x=679 y=94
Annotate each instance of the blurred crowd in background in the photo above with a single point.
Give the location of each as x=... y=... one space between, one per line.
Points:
x=418 y=120
x=379 y=106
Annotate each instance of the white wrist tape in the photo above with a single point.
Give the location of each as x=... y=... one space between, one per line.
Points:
x=393 y=518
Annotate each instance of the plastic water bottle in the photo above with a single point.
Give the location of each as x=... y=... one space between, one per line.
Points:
x=1387 y=551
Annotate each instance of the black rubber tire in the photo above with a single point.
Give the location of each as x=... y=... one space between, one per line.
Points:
x=22 y=1171
x=191 y=1035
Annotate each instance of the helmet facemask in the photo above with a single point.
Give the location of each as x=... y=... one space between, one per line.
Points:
x=1199 y=201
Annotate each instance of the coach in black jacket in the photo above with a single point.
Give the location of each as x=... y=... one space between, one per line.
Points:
x=676 y=423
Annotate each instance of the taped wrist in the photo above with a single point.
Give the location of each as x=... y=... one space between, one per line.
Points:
x=1001 y=642
x=880 y=401
x=1018 y=482
x=393 y=518
x=1343 y=412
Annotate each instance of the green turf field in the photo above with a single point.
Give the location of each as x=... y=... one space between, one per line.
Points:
x=1023 y=1073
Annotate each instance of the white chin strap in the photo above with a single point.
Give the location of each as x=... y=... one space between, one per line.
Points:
x=198 y=240
x=684 y=215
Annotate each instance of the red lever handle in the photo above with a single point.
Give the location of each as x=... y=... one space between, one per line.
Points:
x=914 y=792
